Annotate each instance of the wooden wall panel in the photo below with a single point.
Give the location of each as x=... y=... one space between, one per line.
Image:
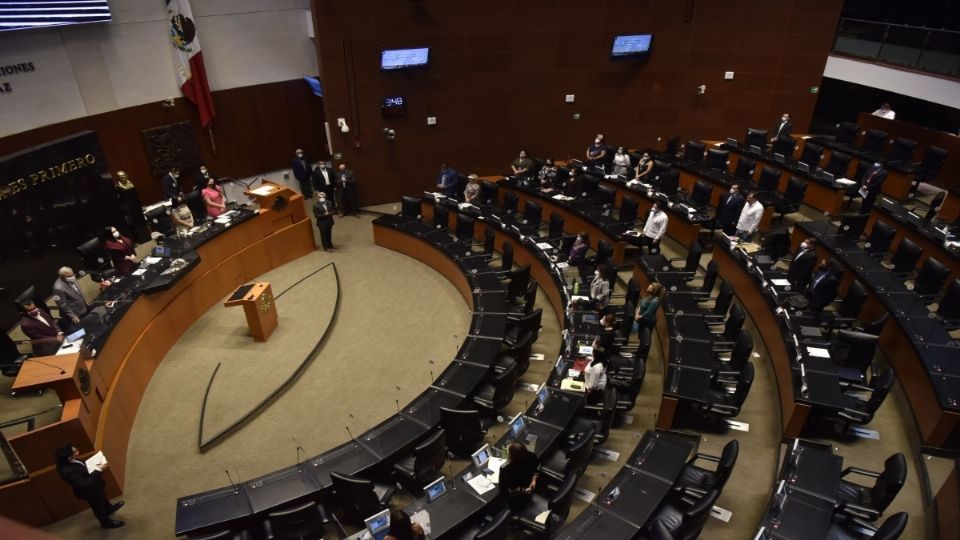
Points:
x=256 y=129
x=499 y=71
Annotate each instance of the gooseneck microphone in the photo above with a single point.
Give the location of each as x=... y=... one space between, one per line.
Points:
x=236 y=488
x=35 y=361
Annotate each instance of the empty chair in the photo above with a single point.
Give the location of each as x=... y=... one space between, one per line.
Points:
x=838 y=164
x=849 y=309
x=304 y=520
x=932 y=162
x=745 y=168
x=225 y=534
x=873 y=141
x=604 y=196
x=598 y=418
x=518 y=281
x=694 y=151
x=719 y=402
x=358 y=498
x=520 y=326
x=785 y=146
x=488 y=192
x=792 y=197
x=769 y=179
x=532 y=213
x=851 y=225
x=930 y=279
x=506 y=257
x=685 y=523
x=10 y=357
x=732 y=367
x=194 y=202
x=669 y=182
x=851 y=529
x=409 y=206
x=880 y=238
x=441 y=217
x=698 y=481
x=776 y=245
x=847 y=132
x=463 y=430
x=568 y=461
x=424 y=464
x=875 y=326
x=933 y=207
x=604 y=252
x=465 y=227
x=588 y=185
x=904 y=260
x=558 y=506
x=555 y=229
x=495 y=527
x=853 y=353
x=902 y=149
x=510 y=202
x=496 y=394
x=718 y=159
x=702 y=191
x=94 y=259
x=755 y=137
x=860 y=411
x=811 y=155
x=159 y=220
x=870 y=502
x=726 y=339
x=949 y=306
x=721 y=302
x=628 y=211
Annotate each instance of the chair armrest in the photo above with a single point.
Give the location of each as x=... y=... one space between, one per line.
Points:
x=708 y=457
x=855 y=386
x=854 y=416
x=858 y=470
x=727 y=375
x=857 y=511
x=267 y=530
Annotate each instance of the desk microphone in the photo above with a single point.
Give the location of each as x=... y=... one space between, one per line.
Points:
x=431 y=377
x=351 y=434
x=35 y=361
x=398 y=405
x=299 y=449
x=236 y=489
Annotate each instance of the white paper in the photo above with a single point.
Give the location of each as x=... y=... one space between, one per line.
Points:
x=480 y=484
x=152 y=260
x=265 y=189
x=845 y=181
x=817 y=352
x=139 y=272
x=494 y=465
x=422 y=518
x=779 y=282
x=542 y=517
x=96 y=461
x=69 y=347
x=577 y=298
x=544 y=245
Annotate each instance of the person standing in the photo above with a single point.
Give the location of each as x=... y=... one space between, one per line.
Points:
x=37 y=324
x=69 y=298
x=347 y=182
x=597 y=151
x=447 y=181
x=729 y=210
x=301 y=171
x=870 y=186
x=802 y=263
x=204 y=177
x=885 y=112
x=214 y=199
x=646 y=314
x=518 y=475
x=750 y=218
x=783 y=129
x=323 y=211
x=471 y=194
x=522 y=166
x=120 y=250
x=621 y=162
x=87 y=486
x=654 y=228
x=170 y=183
x=325 y=180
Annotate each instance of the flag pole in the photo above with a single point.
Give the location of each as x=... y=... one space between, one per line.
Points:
x=213 y=142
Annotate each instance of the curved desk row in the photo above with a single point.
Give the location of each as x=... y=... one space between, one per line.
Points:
x=925 y=235
x=128 y=342
x=915 y=342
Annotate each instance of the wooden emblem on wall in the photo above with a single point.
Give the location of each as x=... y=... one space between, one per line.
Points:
x=171 y=146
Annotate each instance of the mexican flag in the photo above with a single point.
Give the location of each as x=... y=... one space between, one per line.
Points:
x=188 y=59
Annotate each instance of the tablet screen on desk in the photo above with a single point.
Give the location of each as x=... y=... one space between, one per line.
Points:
x=76 y=335
x=435 y=489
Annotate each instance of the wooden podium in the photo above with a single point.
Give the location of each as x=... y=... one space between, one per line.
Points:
x=283 y=205
x=259 y=307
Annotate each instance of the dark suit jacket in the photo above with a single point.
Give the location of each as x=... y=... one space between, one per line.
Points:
x=319 y=182
x=823 y=292
x=69 y=301
x=785 y=132
x=202 y=182
x=346 y=179
x=301 y=169
x=170 y=186
x=873 y=181
x=730 y=208
x=42 y=337
x=323 y=213
x=801 y=269
x=85 y=485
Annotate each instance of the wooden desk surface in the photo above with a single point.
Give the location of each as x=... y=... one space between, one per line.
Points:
x=42 y=371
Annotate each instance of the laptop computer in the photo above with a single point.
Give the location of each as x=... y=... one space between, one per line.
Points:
x=435 y=489
x=378 y=525
x=161 y=251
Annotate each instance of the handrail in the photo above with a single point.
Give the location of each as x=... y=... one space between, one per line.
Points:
x=900 y=25
x=931 y=50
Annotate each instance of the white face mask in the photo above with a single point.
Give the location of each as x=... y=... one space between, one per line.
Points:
x=784 y=119
x=71 y=279
x=116 y=234
x=597 y=141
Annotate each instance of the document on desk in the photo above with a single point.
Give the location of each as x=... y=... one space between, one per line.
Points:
x=542 y=517
x=544 y=245
x=69 y=348
x=151 y=260
x=422 y=518
x=95 y=462
x=845 y=181
x=481 y=484
x=263 y=190
x=779 y=282
x=817 y=352
x=139 y=272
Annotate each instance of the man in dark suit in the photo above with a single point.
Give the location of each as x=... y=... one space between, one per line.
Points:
x=347 y=183
x=323 y=211
x=301 y=171
x=870 y=184
x=69 y=298
x=447 y=181
x=823 y=287
x=729 y=210
x=783 y=128
x=37 y=324
x=204 y=176
x=324 y=179
x=170 y=183
x=801 y=265
x=87 y=486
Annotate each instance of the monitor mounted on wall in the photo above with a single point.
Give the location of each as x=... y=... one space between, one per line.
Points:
x=632 y=45
x=391 y=59
x=22 y=15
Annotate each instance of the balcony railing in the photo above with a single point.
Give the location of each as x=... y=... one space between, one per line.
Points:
x=915 y=47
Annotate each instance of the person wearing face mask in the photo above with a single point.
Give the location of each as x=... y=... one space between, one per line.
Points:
x=214 y=199
x=801 y=265
x=621 y=162
x=204 y=176
x=600 y=287
x=37 y=324
x=548 y=174
x=728 y=212
x=783 y=128
x=644 y=167
x=522 y=165
x=597 y=151
x=750 y=217
x=69 y=298
x=823 y=287
x=654 y=228
x=347 y=184
x=180 y=215
x=301 y=171
x=870 y=184
x=323 y=211
x=325 y=180
x=120 y=250
x=171 y=184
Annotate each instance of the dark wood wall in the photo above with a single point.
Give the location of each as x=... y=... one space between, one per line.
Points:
x=499 y=70
x=256 y=129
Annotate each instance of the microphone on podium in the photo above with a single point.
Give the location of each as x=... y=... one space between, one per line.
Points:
x=35 y=361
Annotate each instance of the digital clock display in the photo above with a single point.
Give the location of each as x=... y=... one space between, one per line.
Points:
x=393 y=106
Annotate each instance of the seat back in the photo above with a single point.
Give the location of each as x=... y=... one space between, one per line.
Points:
x=755 y=137
x=892 y=527
x=510 y=202
x=604 y=251
x=194 y=202
x=889 y=482
x=875 y=326
x=531 y=321
x=300 y=521
x=873 y=140
x=497 y=528
x=632 y=296
x=860 y=348
x=743 y=385
x=463 y=432
x=30 y=293
x=519 y=279
x=355 y=496
x=718 y=159
x=533 y=213
x=659 y=531
x=588 y=184
x=465 y=228
x=159 y=220
x=931 y=277
x=696 y=516
x=429 y=456
x=881 y=387
x=409 y=206
x=628 y=211
x=933 y=159
x=854 y=300
x=880 y=237
x=702 y=191
x=741 y=350
x=560 y=503
x=608 y=413
x=905 y=258
x=734 y=322
x=669 y=182
x=92 y=255
x=934 y=206
x=902 y=149
x=506 y=256
x=745 y=168
x=769 y=179
x=556 y=225
x=728 y=459
x=488 y=192
x=776 y=244
x=604 y=196
x=949 y=307
x=9 y=354
x=694 y=151
x=796 y=191
x=710 y=278
x=838 y=164
x=851 y=225
x=784 y=146
x=441 y=217
x=847 y=132
x=693 y=257
x=811 y=155
x=579 y=453
x=724 y=298
x=505 y=384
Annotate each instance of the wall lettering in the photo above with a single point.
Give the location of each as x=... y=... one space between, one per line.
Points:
x=44 y=175
x=13 y=69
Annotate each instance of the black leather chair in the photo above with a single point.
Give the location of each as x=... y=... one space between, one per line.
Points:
x=358 y=498
x=726 y=339
x=847 y=132
x=855 y=529
x=659 y=531
x=875 y=326
x=718 y=159
x=931 y=164
x=933 y=207
x=628 y=211
x=792 y=197
x=901 y=150
x=721 y=302
x=533 y=213
x=745 y=168
x=603 y=197
x=697 y=481
x=769 y=180
x=10 y=357
x=948 y=309
x=441 y=217
x=409 y=206
x=702 y=191
x=465 y=228
x=518 y=328
x=869 y=502
x=720 y=403
x=838 y=164
x=506 y=257
x=693 y=151
x=880 y=238
x=488 y=192
x=159 y=220
x=785 y=146
x=861 y=411
x=588 y=185
x=709 y=279
x=425 y=463
x=851 y=225
x=873 y=141
x=510 y=202
x=669 y=182
x=756 y=137
x=463 y=430
x=731 y=367
x=558 y=505
x=300 y=521
x=904 y=260
x=853 y=353
x=811 y=155
x=848 y=312
x=495 y=527
x=556 y=225
x=930 y=279
x=598 y=418
x=682 y=521
x=94 y=259
x=570 y=460
x=496 y=394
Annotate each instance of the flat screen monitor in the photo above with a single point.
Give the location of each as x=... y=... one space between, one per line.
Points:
x=378 y=525
x=435 y=489
x=543 y=394
x=404 y=58
x=43 y=13
x=78 y=335
x=517 y=425
x=481 y=457
x=630 y=45
x=559 y=367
